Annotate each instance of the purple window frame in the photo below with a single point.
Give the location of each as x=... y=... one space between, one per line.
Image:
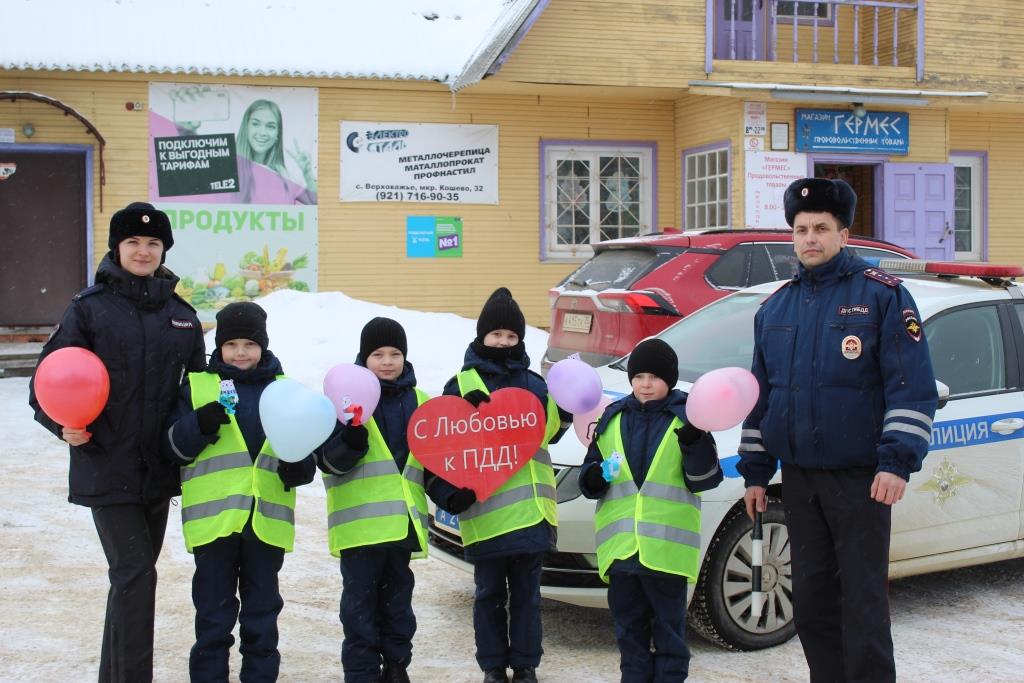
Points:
x=983 y=188
x=714 y=146
x=86 y=151
x=650 y=145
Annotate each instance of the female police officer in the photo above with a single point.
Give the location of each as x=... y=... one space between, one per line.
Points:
x=146 y=337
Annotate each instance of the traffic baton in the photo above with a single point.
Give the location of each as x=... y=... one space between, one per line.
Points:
x=756 y=562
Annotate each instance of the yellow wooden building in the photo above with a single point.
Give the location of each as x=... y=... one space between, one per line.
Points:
x=612 y=119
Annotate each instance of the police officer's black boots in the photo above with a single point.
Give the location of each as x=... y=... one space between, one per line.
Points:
x=495 y=676
x=526 y=674
x=393 y=672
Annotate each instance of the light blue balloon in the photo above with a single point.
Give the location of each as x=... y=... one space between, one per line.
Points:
x=296 y=419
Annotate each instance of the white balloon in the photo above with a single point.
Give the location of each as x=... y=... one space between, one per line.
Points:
x=295 y=419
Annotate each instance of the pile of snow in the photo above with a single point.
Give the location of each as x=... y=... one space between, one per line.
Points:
x=311 y=333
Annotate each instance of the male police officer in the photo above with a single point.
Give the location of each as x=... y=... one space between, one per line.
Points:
x=847 y=400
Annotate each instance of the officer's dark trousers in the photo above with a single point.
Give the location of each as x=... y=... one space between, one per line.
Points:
x=650 y=607
x=839 y=541
x=131 y=536
x=509 y=638
x=376 y=610
x=240 y=563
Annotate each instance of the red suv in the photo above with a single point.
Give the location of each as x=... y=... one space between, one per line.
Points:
x=635 y=287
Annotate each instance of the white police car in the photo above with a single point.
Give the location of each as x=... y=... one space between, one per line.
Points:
x=963 y=508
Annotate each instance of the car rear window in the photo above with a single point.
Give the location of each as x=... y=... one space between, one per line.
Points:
x=617 y=268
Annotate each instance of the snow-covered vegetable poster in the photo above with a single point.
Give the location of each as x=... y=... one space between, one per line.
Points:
x=235 y=168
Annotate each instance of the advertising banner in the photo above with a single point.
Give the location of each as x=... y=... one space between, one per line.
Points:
x=433 y=237
x=235 y=168
x=766 y=177
x=419 y=162
x=841 y=130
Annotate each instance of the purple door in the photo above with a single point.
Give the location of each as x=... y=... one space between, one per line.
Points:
x=919 y=209
x=742 y=38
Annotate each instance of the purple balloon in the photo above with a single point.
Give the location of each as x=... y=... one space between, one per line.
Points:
x=354 y=391
x=575 y=386
x=721 y=399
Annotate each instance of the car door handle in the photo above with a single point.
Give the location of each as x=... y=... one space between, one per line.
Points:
x=1007 y=426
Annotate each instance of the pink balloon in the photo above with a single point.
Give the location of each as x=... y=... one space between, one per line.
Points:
x=721 y=399
x=575 y=386
x=584 y=423
x=354 y=391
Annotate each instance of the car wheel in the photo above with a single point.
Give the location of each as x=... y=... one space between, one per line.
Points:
x=720 y=609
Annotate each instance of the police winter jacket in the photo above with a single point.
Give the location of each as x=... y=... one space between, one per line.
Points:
x=147 y=338
x=845 y=376
x=499 y=369
x=397 y=403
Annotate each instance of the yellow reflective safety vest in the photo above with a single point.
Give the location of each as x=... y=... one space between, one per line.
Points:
x=223 y=485
x=526 y=498
x=660 y=520
x=373 y=502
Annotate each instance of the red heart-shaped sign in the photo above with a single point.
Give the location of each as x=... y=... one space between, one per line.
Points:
x=477 y=448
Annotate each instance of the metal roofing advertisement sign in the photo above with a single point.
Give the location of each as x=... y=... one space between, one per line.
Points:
x=419 y=162
x=839 y=130
x=235 y=168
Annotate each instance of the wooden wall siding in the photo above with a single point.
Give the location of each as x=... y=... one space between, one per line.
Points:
x=707 y=120
x=603 y=42
x=606 y=42
x=1001 y=137
x=362 y=245
x=973 y=45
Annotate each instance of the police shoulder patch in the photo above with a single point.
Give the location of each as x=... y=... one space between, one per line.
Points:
x=883 y=277
x=88 y=291
x=911 y=325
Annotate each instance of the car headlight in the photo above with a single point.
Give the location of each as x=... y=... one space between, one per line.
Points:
x=567 y=484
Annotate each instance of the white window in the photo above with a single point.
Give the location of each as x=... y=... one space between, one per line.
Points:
x=804 y=10
x=968 y=182
x=595 y=193
x=706 y=188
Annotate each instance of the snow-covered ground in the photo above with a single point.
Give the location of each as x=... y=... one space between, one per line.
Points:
x=953 y=626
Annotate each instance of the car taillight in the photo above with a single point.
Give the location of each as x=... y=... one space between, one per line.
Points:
x=553 y=294
x=636 y=302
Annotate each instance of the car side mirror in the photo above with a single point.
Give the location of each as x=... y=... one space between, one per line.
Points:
x=943 y=393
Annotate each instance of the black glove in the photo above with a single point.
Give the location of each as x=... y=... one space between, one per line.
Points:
x=357 y=438
x=460 y=501
x=292 y=474
x=593 y=479
x=211 y=417
x=687 y=434
x=476 y=397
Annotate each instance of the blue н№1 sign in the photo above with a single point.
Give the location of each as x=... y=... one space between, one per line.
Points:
x=839 y=130
x=433 y=237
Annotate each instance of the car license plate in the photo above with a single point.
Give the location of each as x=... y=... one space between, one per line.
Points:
x=447 y=521
x=577 y=322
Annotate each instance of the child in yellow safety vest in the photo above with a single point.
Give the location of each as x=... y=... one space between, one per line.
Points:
x=238 y=499
x=507 y=535
x=646 y=466
x=376 y=514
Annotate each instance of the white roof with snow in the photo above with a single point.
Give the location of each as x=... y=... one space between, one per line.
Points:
x=449 y=41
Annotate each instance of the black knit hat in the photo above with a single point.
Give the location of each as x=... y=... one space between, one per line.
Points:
x=820 y=194
x=381 y=332
x=656 y=357
x=242 y=320
x=140 y=218
x=500 y=312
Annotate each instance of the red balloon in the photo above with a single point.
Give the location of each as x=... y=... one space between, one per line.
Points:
x=72 y=386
